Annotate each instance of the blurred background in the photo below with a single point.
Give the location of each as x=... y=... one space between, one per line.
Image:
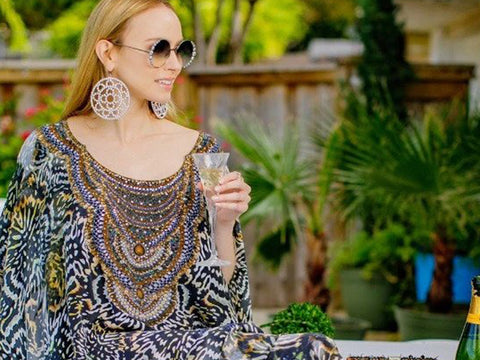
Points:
x=354 y=121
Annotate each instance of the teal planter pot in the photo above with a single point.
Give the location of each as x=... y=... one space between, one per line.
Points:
x=367 y=299
x=417 y=323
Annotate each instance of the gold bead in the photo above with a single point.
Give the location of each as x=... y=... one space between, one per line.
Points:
x=140 y=294
x=139 y=250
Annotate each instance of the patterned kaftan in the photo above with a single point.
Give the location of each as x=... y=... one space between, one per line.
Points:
x=94 y=265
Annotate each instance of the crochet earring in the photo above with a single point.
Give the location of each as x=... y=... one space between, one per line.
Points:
x=160 y=110
x=110 y=98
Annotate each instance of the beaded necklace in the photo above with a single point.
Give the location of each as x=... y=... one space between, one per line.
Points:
x=144 y=233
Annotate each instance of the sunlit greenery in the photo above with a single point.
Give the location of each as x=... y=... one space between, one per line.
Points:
x=276 y=25
x=39 y=13
x=18 y=31
x=66 y=31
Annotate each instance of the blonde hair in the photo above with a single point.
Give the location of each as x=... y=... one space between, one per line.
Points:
x=107 y=21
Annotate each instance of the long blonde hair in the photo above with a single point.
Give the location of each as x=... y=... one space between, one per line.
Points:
x=107 y=21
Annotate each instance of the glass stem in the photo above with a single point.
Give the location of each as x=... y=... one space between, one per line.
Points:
x=212 y=219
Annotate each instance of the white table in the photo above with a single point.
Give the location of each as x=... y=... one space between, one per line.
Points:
x=437 y=349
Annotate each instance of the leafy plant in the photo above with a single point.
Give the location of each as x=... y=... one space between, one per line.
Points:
x=287 y=196
x=425 y=175
x=388 y=252
x=301 y=318
x=281 y=181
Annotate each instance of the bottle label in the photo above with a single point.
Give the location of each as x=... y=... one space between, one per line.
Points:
x=473 y=319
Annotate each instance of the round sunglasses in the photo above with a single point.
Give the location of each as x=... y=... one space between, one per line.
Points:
x=160 y=52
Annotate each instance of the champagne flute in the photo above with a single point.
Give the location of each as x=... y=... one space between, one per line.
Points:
x=211 y=167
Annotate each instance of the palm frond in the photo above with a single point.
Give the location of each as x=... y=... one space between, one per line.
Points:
x=281 y=180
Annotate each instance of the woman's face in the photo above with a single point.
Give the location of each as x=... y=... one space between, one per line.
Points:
x=133 y=67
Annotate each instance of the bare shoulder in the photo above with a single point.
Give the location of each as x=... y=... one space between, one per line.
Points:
x=180 y=131
x=81 y=126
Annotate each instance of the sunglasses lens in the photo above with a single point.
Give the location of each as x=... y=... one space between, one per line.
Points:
x=161 y=52
x=186 y=53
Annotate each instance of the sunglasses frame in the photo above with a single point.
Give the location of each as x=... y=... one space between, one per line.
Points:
x=151 y=51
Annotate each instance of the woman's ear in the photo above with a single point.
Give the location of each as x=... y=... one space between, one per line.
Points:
x=105 y=51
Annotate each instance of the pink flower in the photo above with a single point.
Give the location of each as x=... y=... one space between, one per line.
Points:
x=24 y=135
x=30 y=112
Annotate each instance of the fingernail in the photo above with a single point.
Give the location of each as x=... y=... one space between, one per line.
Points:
x=215 y=198
x=217 y=188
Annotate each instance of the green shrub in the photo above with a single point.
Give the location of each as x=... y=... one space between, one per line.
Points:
x=301 y=318
x=66 y=31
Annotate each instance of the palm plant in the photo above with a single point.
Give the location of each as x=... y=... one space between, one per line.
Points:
x=425 y=174
x=285 y=195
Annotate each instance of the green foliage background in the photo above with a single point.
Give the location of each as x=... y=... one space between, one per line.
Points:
x=276 y=24
x=37 y=14
x=66 y=30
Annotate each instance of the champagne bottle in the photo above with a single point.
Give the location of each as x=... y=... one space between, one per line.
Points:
x=469 y=344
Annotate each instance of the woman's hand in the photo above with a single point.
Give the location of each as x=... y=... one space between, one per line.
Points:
x=231 y=198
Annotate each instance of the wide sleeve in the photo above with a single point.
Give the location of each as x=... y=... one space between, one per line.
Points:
x=239 y=285
x=21 y=255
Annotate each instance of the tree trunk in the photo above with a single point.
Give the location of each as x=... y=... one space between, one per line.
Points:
x=316 y=290
x=236 y=31
x=199 y=34
x=440 y=296
x=238 y=51
x=212 y=45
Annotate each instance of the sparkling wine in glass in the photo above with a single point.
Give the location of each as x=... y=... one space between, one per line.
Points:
x=211 y=167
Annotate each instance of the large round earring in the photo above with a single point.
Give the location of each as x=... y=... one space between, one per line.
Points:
x=110 y=98
x=160 y=110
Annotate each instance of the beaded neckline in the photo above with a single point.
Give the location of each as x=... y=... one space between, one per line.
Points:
x=144 y=233
x=150 y=183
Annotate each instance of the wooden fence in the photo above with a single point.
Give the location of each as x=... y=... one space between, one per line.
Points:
x=273 y=94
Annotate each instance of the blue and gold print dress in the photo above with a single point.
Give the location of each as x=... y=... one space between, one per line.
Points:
x=95 y=265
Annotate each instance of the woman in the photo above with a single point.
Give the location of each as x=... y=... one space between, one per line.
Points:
x=104 y=222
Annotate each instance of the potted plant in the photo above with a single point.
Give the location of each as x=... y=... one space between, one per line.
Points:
x=380 y=264
x=424 y=174
x=309 y=318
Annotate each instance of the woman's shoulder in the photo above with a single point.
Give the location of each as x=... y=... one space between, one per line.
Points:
x=205 y=142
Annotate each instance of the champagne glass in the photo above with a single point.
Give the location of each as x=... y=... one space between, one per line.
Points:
x=211 y=167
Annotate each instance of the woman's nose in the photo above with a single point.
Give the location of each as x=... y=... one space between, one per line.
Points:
x=173 y=62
